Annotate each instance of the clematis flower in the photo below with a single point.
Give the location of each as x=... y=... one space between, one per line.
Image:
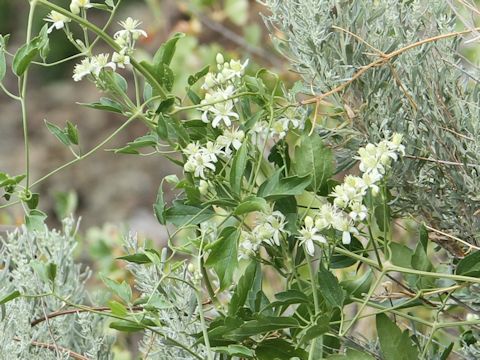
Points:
x=309 y=235
x=76 y=5
x=231 y=138
x=130 y=28
x=58 y=21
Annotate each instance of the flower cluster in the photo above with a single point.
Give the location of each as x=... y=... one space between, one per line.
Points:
x=125 y=38
x=348 y=210
x=269 y=229
x=219 y=111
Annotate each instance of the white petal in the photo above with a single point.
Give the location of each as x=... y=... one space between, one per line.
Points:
x=346 y=238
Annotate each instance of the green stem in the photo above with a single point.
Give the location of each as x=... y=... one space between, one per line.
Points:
x=23 y=93
x=109 y=40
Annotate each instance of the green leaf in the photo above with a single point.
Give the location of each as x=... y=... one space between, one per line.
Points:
x=279 y=349
x=263 y=325
x=320 y=327
x=117 y=308
x=72 y=133
x=339 y=261
x=159 y=206
x=331 y=290
x=51 y=272
x=26 y=53
x=3 y=64
x=193 y=79
x=58 y=133
x=395 y=344
x=358 y=285
x=180 y=214
x=251 y=204
x=235 y=350
x=105 y=104
x=122 y=290
x=313 y=158
x=138 y=258
x=10 y=297
x=164 y=54
x=35 y=220
x=289 y=297
x=127 y=326
x=469 y=265
x=239 y=165
x=401 y=255
x=223 y=257
x=165 y=105
x=32 y=202
x=243 y=287
x=121 y=82
x=275 y=188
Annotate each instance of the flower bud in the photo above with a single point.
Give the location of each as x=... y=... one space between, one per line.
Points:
x=220 y=60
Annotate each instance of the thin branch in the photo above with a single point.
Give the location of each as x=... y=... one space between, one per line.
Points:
x=53 y=347
x=444 y=162
x=75 y=311
x=382 y=60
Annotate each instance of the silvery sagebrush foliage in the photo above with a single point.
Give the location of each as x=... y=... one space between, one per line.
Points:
x=24 y=259
x=277 y=244
x=174 y=298
x=429 y=93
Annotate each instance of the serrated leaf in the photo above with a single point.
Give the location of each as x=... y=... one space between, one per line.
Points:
x=469 y=265
x=392 y=339
x=243 y=287
x=313 y=158
x=276 y=188
x=223 y=257
x=330 y=288
x=180 y=214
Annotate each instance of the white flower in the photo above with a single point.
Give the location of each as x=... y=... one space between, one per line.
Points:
x=210 y=81
x=358 y=211
x=370 y=179
x=234 y=69
x=289 y=119
x=352 y=190
x=101 y=62
x=213 y=150
x=222 y=112
x=345 y=225
x=57 y=19
x=248 y=245
x=121 y=59
x=130 y=29
x=85 y=68
x=192 y=148
x=76 y=5
x=199 y=162
x=271 y=228
x=326 y=216
x=279 y=128
x=309 y=234
x=231 y=138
